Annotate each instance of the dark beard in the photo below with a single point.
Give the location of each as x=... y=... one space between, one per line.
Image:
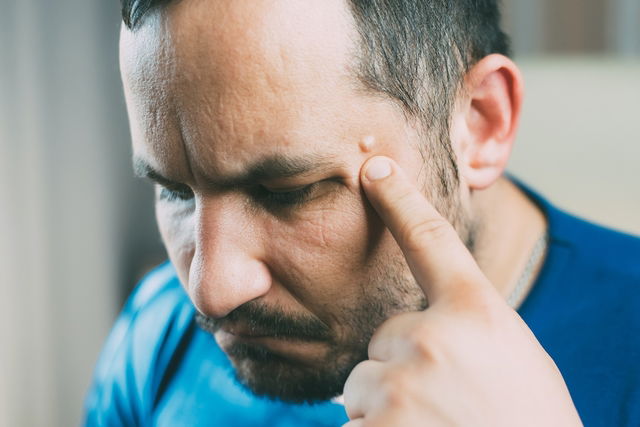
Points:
x=271 y=375
x=276 y=376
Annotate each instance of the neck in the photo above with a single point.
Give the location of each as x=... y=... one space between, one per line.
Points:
x=510 y=225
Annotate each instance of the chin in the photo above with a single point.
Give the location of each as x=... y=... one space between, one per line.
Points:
x=279 y=377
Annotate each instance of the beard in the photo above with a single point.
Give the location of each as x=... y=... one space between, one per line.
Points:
x=390 y=290
x=279 y=375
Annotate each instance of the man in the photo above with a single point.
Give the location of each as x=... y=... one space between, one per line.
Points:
x=330 y=192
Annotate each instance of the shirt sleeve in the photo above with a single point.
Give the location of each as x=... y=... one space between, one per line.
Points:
x=137 y=352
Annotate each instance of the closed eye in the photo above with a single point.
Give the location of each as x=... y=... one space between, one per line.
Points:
x=286 y=197
x=271 y=198
x=175 y=194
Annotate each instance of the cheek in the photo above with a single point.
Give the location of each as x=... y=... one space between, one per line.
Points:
x=331 y=244
x=177 y=231
x=327 y=229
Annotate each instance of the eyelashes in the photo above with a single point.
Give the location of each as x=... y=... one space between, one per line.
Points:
x=262 y=195
x=175 y=194
x=288 y=198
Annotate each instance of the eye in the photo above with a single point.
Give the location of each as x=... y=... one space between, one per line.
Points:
x=285 y=198
x=175 y=194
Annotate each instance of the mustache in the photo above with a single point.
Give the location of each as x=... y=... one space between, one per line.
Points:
x=262 y=321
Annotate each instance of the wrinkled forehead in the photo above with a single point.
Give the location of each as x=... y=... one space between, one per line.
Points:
x=209 y=70
x=238 y=38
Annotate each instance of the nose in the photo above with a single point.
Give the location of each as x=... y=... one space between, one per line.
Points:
x=226 y=270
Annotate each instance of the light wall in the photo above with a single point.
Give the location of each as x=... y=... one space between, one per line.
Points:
x=579 y=142
x=73 y=221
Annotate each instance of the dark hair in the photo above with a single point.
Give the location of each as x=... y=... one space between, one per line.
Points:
x=417 y=52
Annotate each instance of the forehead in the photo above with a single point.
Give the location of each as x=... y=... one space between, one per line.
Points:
x=215 y=83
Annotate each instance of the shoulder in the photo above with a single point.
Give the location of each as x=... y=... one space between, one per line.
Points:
x=594 y=248
x=159 y=284
x=602 y=251
x=130 y=369
x=588 y=291
x=592 y=334
x=584 y=311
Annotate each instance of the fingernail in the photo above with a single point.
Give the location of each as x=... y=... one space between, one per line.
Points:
x=378 y=168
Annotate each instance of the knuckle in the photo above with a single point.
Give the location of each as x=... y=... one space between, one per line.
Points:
x=416 y=234
x=373 y=422
x=391 y=336
x=491 y=315
x=483 y=309
x=396 y=385
x=468 y=300
x=426 y=344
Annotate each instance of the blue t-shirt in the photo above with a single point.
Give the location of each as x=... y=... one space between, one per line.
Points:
x=159 y=368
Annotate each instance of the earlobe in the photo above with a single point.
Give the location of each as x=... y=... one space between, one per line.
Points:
x=487 y=120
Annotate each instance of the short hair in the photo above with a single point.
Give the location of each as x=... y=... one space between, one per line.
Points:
x=416 y=52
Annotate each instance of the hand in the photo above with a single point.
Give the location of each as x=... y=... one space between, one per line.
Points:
x=468 y=359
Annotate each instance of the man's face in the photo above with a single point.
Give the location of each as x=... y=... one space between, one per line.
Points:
x=249 y=117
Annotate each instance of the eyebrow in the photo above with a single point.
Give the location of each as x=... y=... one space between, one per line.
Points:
x=270 y=168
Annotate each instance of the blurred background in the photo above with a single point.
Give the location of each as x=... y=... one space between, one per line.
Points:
x=77 y=230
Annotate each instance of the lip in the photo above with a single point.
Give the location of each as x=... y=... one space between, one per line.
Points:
x=290 y=347
x=243 y=332
x=246 y=333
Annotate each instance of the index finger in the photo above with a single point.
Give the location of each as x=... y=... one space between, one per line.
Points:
x=438 y=259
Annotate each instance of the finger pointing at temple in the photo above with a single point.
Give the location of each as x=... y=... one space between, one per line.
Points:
x=438 y=259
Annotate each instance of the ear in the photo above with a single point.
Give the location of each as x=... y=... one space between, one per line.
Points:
x=485 y=120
